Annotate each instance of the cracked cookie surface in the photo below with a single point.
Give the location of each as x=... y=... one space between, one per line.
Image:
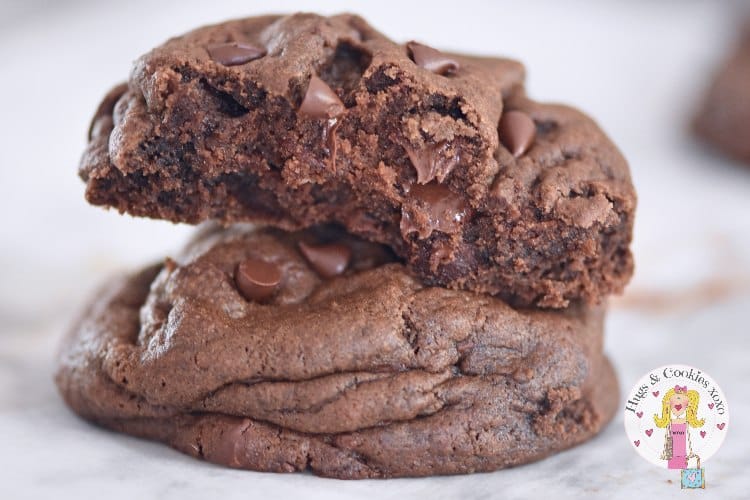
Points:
x=300 y=120
x=350 y=367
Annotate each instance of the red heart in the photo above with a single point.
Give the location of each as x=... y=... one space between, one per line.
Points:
x=637 y=443
x=639 y=414
x=649 y=432
x=678 y=407
x=721 y=426
x=655 y=393
x=703 y=434
x=711 y=406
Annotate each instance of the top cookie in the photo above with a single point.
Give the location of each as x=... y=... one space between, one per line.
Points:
x=303 y=119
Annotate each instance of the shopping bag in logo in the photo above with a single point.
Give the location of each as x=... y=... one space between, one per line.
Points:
x=693 y=478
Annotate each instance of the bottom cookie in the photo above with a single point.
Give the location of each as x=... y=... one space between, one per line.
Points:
x=282 y=352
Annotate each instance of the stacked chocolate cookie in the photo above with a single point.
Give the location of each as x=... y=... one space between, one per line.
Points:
x=425 y=292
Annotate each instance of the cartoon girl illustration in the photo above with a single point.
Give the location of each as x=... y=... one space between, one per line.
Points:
x=679 y=409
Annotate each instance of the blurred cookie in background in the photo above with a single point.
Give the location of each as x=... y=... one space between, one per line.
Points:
x=723 y=119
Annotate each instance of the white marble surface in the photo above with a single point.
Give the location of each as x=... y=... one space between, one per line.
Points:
x=636 y=66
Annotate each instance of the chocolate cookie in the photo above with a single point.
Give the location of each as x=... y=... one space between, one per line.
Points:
x=724 y=117
x=299 y=120
x=279 y=351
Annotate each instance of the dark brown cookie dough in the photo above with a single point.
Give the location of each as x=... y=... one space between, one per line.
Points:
x=350 y=370
x=297 y=120
x=724 y=116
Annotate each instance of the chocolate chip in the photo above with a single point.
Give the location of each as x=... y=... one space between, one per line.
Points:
x=320 y=101
x=328 y=260
x=517 y=132
x=464 y=346
x=432 y=59
x=234 y=53
x=101 y=127
x=329 y=139
x=432 y=162
x=433 y=207
x=228 y=448
x=257 y=279
x=102 y=121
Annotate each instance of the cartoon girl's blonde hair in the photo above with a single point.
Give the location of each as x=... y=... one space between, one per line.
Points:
x=691 y=412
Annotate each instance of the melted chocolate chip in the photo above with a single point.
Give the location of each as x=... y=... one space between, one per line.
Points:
x=257 y=279
x=234 y=53
x=102 y=121
x=320 y=101
x=229 y=446
x=433 y=162
x=329 y=139
x=434 y=207
x=517 y=132
x=101 y=127
x=432 y=59
x=328 y=260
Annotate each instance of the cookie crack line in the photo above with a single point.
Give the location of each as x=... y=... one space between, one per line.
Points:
x=549 y=411
x=476 y=438
x=435 y=389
